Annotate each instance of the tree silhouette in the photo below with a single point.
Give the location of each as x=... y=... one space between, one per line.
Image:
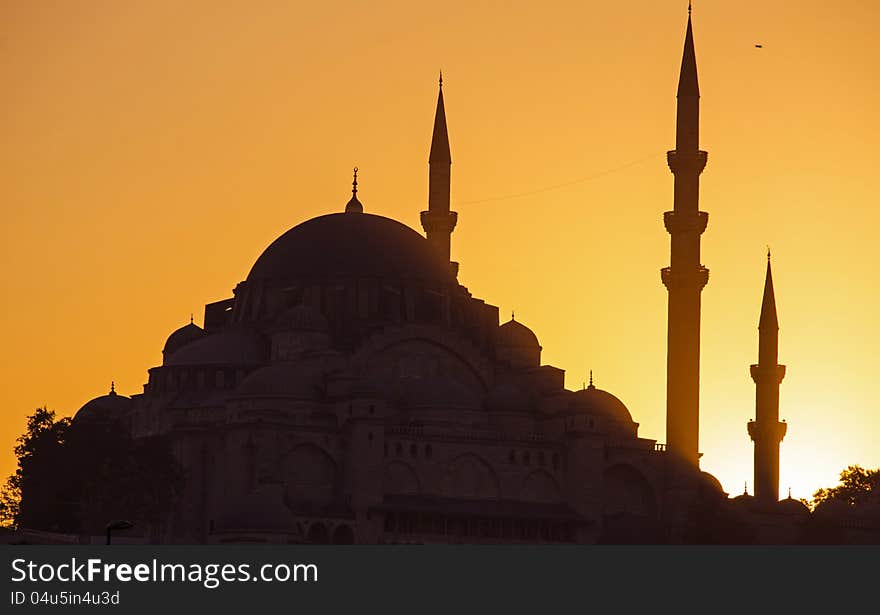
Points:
x=76 y=476
x=38 y=451
x=857 y=486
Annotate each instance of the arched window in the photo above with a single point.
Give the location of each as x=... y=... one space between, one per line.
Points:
x=318 y=534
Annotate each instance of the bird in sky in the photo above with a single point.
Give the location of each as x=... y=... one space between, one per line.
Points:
x=759 y=46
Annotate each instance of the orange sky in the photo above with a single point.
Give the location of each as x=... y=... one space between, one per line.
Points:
x=149 y=151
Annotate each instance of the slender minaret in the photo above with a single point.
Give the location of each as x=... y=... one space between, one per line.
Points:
x=686 y=276
x=766 y=431
x=438 y=221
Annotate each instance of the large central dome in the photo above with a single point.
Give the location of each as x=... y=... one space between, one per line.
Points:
x=351 y=245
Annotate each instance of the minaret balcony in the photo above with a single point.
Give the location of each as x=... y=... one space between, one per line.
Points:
x=692 y=278
x=682 y=223
x=772 y=432
x=692 y=162
x=439 y=221
x=767 y=373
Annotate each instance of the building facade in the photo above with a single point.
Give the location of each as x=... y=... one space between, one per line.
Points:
x=352 y=390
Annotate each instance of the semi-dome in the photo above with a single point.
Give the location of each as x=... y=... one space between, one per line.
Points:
x=231 y=347
x=509 y=396
x=346 y=245
x=182 y=337
x=110 y=407
x=439 y=392
x=602 y=403
x=291 y=380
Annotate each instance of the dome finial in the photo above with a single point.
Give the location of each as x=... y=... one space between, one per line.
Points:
x=591 y=377
x=190 y=318
x=689 y=8
x=745 y=487
x=353 y=205
x=512 y=315
x=789 y=493
x=441 y=79
x=112 y=388
x=768 y=253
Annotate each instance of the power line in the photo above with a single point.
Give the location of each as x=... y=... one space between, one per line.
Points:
x=565 y=184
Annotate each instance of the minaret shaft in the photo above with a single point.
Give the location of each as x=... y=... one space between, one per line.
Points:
x=766 y=430
x=685 y=277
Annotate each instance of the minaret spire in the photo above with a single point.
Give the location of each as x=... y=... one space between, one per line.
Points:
x=438 y=221
x=686 y=276
x=768 y=320
x=766 y=430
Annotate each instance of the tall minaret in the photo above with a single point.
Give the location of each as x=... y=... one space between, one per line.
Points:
x=438 y=221
x=686 y=276
x=766 y=431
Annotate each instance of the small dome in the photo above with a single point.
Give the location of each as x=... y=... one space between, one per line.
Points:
x=517 y=345
x=181 y=337
x=110 y=407
x=291 y=380
x=232 y=347
x=509 y=396
x=711 y=484
x=743 y=502
x=602 y=403
x=790 y=506
x=263 y=509
x=516 y=334
x=302 y=318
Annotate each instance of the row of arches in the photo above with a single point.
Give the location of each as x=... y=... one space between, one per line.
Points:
x=312 y=475
x=469 y=477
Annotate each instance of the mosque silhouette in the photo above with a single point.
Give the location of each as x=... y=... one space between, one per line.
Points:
x=353 y=391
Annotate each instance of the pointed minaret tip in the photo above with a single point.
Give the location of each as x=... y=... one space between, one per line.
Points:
x=440 y=138
x=688 y=84
x=769 y=318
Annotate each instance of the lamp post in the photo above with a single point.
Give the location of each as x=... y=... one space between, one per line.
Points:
x=118 y=525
